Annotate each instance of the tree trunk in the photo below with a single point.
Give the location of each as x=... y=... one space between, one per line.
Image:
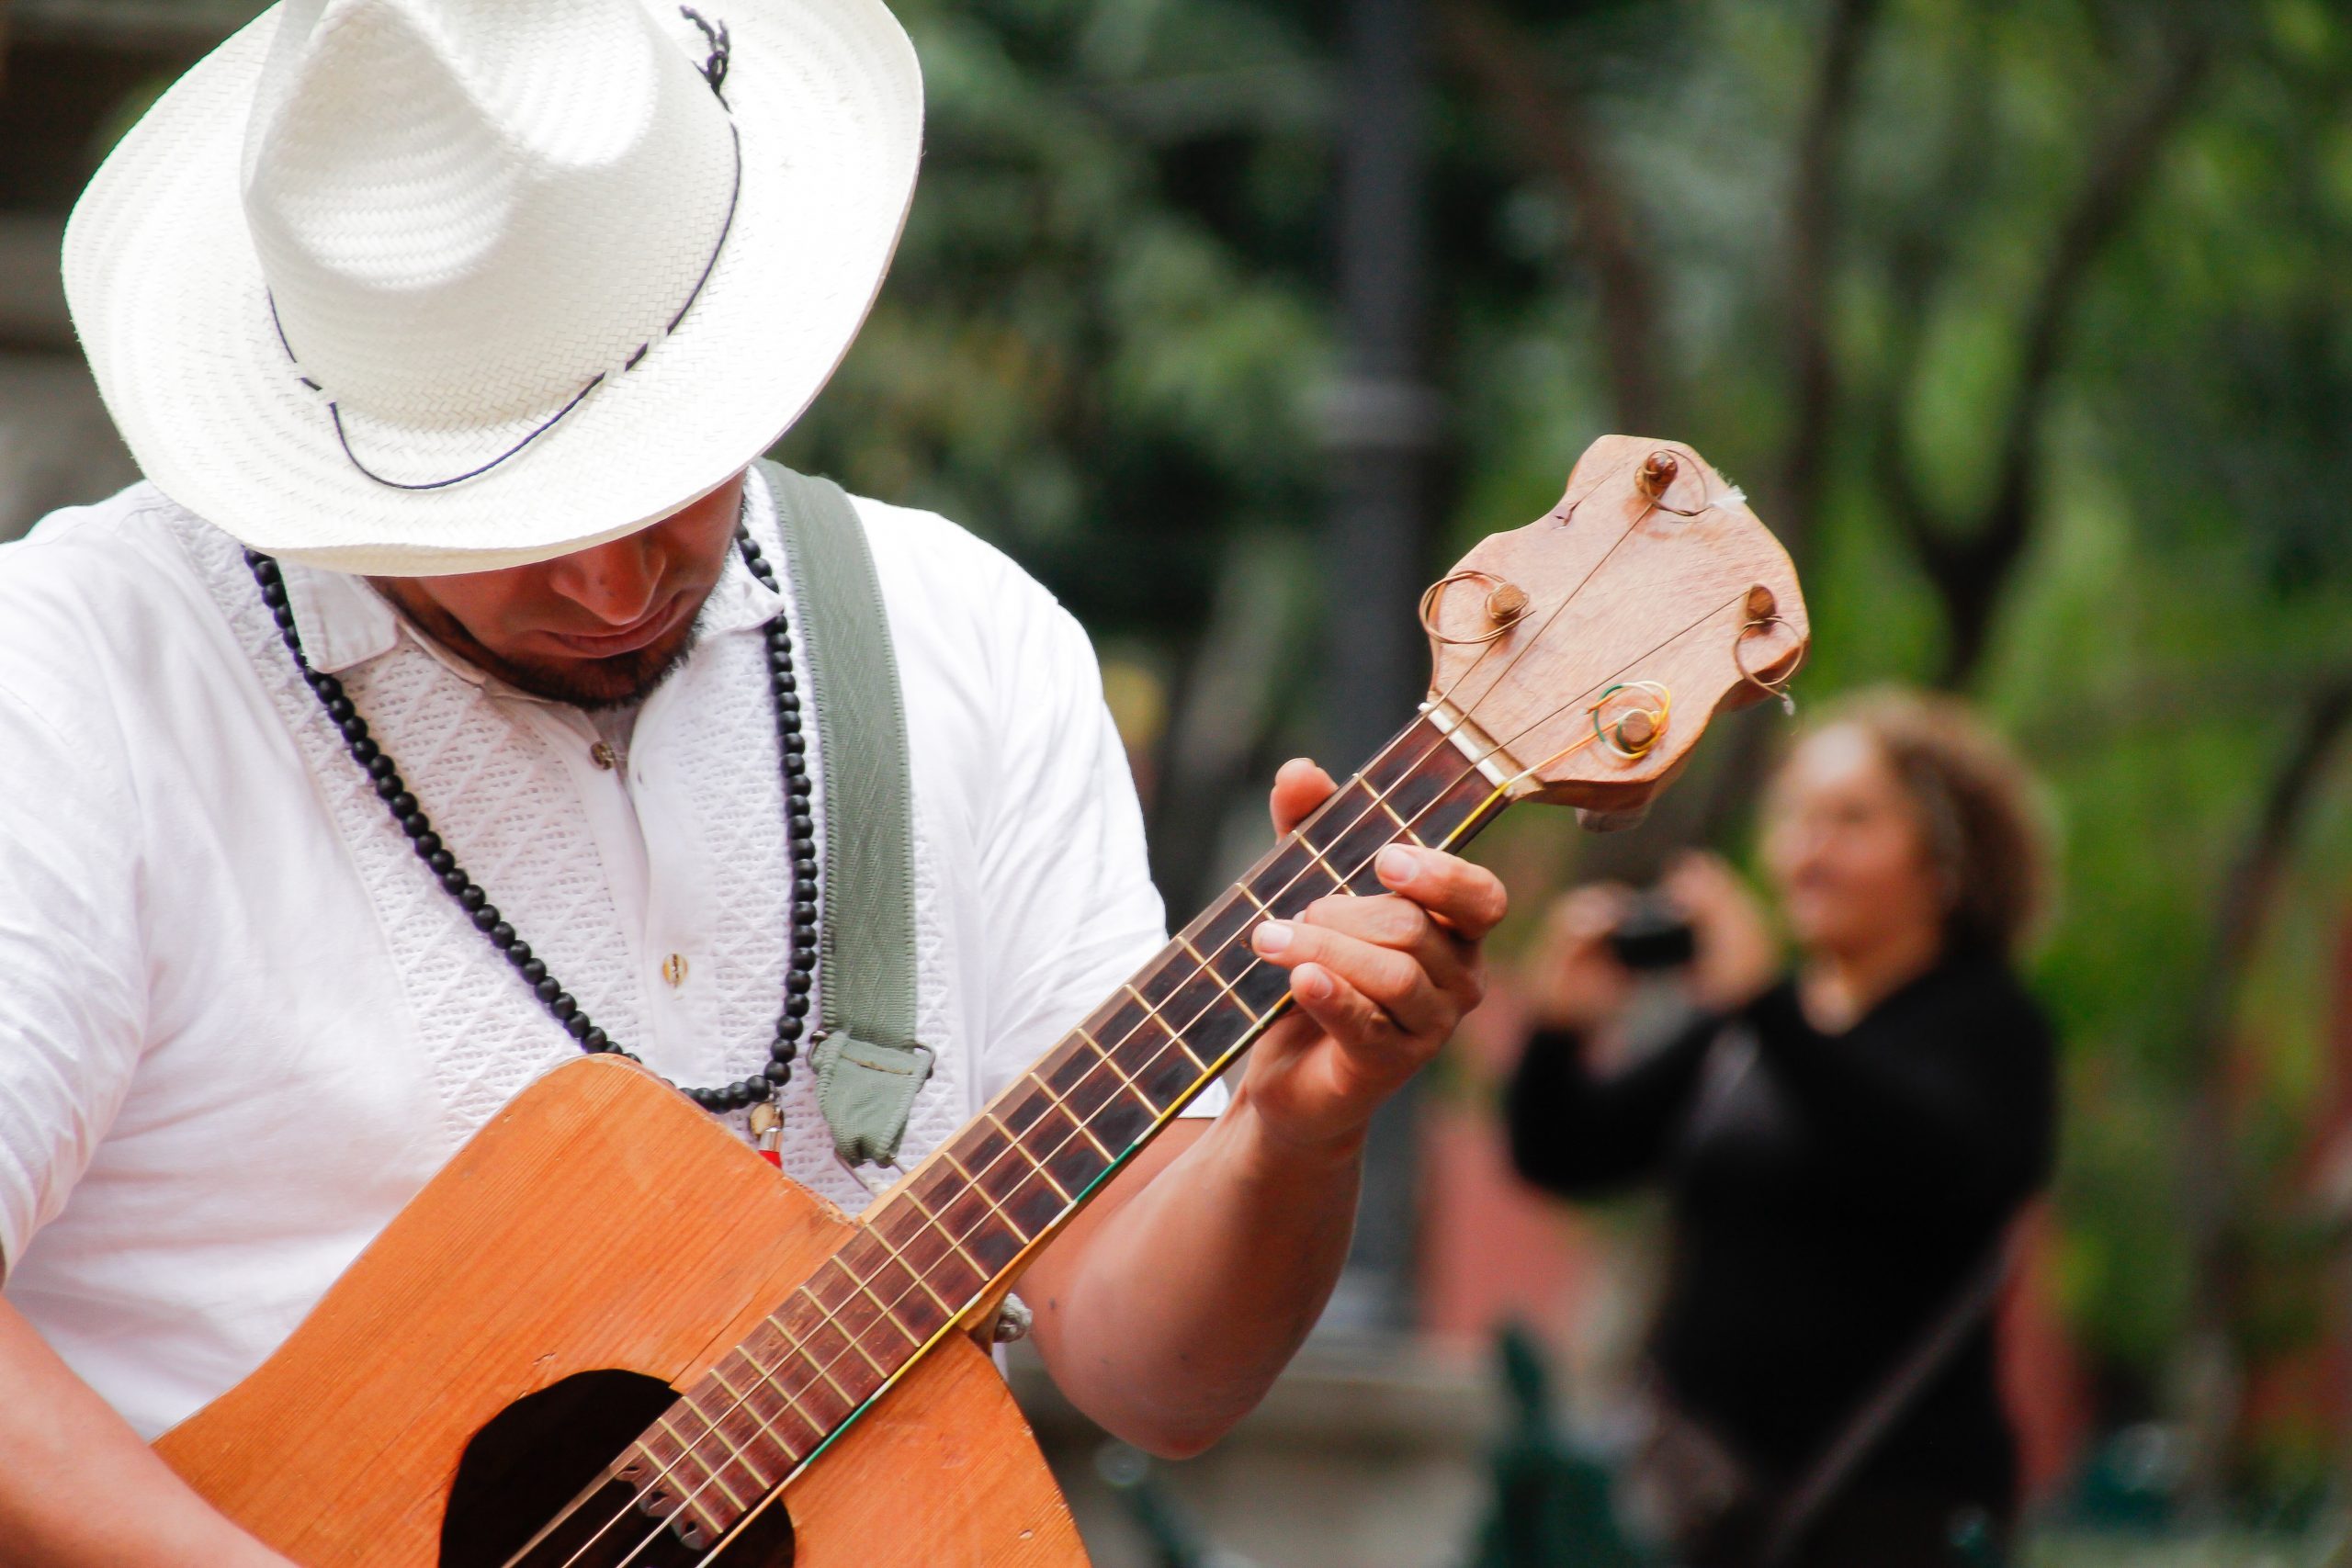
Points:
x=2209 y=1174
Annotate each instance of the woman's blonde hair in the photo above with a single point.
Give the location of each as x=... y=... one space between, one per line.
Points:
x=1979 y=804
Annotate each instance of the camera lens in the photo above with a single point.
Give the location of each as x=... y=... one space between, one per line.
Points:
x=1653 y=935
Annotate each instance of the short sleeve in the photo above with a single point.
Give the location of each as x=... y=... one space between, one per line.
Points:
x=1074 y=910
x=72 y=991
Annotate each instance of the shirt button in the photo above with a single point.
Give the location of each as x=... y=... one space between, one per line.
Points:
x=673 y=969
x=602 y=754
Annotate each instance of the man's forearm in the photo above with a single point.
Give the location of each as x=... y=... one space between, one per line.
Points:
x=77 y=1487
x=1192 y=1297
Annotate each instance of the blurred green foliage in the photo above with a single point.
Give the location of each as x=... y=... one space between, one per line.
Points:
x=2074 y=434
x=1105 y=326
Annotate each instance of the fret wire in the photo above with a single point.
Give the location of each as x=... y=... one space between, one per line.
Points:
x=1333 y=806
x=1210 y=969
x=800 y=1349
x=1317 y=854
x=1249 y=893
x=710 y=1472
x=1171 y=1033
x=1071 y=1116
x=842 y=1329
x=875 y=1230
x=866 y=1289
x=767 y=1376
x=1112 y=1063
x=1381 y=799
x=1380 y=794
x=985 y=1272
x=974 y=1182
x=1034 y=1163
x=737 y=1454
x=743 y=1402
x=987 y=1198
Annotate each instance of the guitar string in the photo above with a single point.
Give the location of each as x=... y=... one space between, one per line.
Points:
x=1379 y=797
x=1176 y=1040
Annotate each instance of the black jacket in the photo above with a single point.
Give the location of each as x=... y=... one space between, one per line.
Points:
x=1826 y=1207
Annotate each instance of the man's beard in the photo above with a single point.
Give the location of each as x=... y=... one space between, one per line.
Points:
x=598 y=683
x=589 y=684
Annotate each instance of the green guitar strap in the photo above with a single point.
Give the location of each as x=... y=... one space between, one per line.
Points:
x=867 y=1061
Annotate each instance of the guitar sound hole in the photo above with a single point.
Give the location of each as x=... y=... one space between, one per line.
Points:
x=539 y=1457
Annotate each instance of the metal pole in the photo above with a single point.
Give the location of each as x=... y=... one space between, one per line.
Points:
x=1381 y=422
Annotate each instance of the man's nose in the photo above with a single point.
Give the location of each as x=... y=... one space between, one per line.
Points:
x=614 y=582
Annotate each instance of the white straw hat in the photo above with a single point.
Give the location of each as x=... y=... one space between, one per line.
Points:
x=411 y=286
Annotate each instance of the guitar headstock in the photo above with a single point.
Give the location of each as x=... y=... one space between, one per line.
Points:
x=1580 y=659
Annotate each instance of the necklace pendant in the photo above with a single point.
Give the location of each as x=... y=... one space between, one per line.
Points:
x=767 y=1132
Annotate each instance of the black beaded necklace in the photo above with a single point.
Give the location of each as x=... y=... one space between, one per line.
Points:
x=485 y=915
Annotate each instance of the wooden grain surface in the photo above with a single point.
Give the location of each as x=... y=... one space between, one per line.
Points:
x=1619 y=591
x=600 y=1221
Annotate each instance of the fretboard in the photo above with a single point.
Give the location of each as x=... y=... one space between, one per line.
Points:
x=943 y=1241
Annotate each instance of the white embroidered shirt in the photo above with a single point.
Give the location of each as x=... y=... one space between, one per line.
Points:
x=241 y=1024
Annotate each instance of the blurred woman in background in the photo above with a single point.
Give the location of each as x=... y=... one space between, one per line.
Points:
x=1843 y=1146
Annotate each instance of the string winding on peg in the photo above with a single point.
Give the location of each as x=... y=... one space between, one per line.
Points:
x=1507 y=606
x=1763 y=615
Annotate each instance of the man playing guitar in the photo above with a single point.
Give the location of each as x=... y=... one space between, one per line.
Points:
x=417 y=727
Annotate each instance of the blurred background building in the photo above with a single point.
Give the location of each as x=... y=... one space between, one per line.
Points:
x=2024 y=322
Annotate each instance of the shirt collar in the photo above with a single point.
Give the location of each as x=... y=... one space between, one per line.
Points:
x=345 y=623
x=741 y=601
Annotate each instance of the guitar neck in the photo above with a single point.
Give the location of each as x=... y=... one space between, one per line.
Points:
x=947 y=1240
x=1026 y=1163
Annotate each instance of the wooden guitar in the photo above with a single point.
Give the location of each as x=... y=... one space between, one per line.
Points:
x=609 y=1334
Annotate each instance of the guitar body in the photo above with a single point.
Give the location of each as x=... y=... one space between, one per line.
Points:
x=598 y=1244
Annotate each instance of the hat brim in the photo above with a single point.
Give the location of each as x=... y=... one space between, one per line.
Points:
x=168 y=296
